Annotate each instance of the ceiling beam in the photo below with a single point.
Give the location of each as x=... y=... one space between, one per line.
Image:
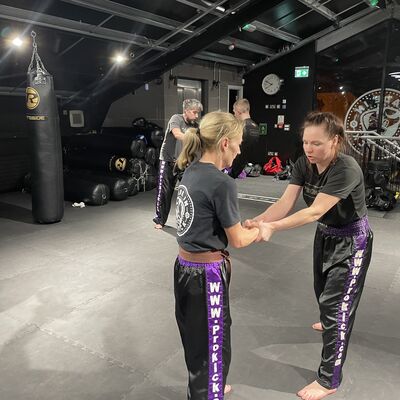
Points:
x=134 y=14
x=127 y=12
x=213 y=32
x=81 y=28
x=330 y=36
x=252 y=47
x=320 y=9
x=264 y=28
x=209 y=56
x=181 y=28
x=275 y=32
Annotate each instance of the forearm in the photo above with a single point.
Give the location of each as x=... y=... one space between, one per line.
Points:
x=302 y=217
x=275 y=212
x=243 y=237
x=178 y=134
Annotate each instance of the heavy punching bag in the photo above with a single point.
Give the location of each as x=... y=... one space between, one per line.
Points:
x=45 y=140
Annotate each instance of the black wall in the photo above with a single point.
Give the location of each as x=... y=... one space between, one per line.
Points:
x=298 y=93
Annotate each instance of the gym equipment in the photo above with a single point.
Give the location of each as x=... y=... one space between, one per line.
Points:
x=138 y=167
x=132 y=183
x=380 y=199
x=102 y=162
x=150 y=156
x=123 y=146
x=150 y=178
x=91 y=193
x=118 y=187
x=378 y=173
x=45 y=143
x=153 y=133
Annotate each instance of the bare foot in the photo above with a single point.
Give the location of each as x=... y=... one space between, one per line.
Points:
x=317 y=327
x=227 y=389
x=314 y=391
x=158 y=226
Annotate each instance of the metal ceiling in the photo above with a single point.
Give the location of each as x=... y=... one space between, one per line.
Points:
x=77 y=38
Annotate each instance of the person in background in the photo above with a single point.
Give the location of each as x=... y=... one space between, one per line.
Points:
x=208 y=219
x=241 y=110
x=333 y=189
x=170 y=149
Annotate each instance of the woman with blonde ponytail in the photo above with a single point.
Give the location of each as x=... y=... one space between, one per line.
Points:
x=208 y=219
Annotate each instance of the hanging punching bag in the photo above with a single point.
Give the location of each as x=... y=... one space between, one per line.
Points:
x=45 y=140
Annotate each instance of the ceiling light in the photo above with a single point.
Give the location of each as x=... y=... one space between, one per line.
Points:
x=231 y=46
x=209 y=4
x=119 y=59
x=17 y=42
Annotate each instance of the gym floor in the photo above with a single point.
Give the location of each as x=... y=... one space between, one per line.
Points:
x=87 y=307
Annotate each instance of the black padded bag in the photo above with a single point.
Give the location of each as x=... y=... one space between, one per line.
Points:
x=118 y=187
x=106 y=144
x=156 y=136
x=150 y=156
x=153 y=133
x=88 y=159
x=132 y=183
x=150 y=178
x=91 y=193
x=45 y=143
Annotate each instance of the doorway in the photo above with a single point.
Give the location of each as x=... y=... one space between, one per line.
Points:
x=234 y=93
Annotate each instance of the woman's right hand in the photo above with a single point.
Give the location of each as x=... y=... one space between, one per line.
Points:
x=252 y=223
x=265 y=229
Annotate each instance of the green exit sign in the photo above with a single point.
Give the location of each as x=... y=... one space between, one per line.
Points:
x=301 y=72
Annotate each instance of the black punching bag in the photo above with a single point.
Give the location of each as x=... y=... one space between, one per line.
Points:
x=45 y=140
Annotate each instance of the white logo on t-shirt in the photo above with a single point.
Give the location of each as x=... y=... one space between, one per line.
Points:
x=184 y=211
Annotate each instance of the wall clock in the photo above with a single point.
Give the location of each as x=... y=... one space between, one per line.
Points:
x=271 y=84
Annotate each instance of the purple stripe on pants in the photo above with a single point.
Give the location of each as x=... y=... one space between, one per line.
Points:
x=215 y=304
x=215 y=300
x=159 y=188
x=360 y=234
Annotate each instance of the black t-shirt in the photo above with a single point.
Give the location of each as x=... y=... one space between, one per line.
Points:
x=171 y=147
x=249 y=144
x=343 y=179
x=206 y=204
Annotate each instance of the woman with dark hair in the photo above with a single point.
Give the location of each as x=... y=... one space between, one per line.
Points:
x=207 y=216
x=333 y=189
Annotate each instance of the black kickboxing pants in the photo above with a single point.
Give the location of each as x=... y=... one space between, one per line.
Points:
x=165 y=190
x=341 y=260
x=204 y=321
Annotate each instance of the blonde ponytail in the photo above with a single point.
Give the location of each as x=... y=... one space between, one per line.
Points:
x=191 y=148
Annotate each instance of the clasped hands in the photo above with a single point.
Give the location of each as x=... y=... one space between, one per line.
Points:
x=265 y=229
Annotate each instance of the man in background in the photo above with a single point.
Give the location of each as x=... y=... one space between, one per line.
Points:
x=170 y=150
x=241 y=110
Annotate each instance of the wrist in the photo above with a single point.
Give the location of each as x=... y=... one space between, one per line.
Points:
x=273 y=226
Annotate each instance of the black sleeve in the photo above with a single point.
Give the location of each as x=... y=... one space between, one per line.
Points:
x=299 y=172
x=226 y=203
